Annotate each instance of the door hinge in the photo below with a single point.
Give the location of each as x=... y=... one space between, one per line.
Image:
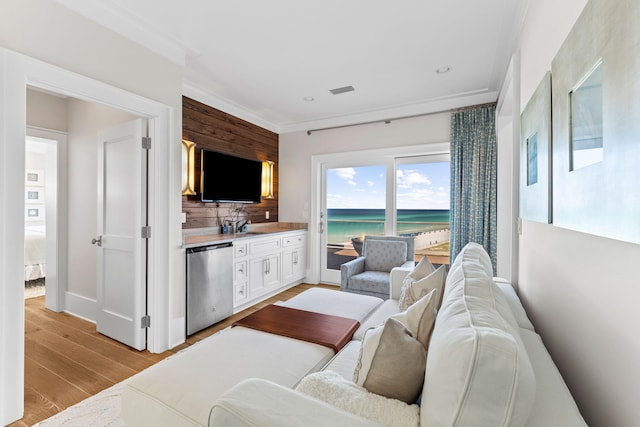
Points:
x=146 y=143
x=145 y=322
x=146 y=232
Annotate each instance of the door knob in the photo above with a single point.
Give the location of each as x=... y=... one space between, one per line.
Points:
x=97 y=241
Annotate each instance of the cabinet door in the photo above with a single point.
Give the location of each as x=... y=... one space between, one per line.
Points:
x=294 y=262
x=272 y=277
x=264 y=275
x=299 y=263
x=257 y=272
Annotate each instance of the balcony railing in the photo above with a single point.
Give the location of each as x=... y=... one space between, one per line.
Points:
x=344 y=236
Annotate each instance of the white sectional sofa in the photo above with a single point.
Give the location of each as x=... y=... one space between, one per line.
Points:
x=485 y=366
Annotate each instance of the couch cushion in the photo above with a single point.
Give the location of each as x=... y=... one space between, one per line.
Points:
x=181 y=390
x=332 y=388
x=259 y=403
x=344 y=363
x=377 y=317
x=391 y=362
x=413 y=290
x=515 y=305
x=334 y=303
x=372 y=281
x=383 y=255
x=478 y=372
x=554 y=405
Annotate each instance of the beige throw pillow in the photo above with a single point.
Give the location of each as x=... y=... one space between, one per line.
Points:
x=413 y=290
x=420 y=316
x=422 y=269
x=391 y=362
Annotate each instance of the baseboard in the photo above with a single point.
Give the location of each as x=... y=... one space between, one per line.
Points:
x=83 y=307
x=178 y=331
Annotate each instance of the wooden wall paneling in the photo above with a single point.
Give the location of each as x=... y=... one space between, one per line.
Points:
x=210 y=128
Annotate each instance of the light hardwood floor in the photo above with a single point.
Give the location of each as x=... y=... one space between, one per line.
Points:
x=66 y=360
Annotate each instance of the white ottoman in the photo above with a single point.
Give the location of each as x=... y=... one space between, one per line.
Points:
x=181 y=390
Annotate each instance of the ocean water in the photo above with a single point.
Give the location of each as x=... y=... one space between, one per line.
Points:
x=343 y=224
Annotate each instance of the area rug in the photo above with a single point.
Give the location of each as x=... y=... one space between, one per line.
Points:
x=102 y=409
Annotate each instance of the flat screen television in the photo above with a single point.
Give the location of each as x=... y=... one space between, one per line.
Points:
x=227 y=178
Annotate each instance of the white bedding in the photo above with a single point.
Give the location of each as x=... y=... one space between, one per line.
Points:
x=35 y=243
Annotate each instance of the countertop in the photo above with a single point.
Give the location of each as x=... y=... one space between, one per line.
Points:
x=195 y=237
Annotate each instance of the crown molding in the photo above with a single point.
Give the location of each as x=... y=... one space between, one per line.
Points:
x=123 y=23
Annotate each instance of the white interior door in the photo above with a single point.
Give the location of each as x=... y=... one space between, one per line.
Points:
x=121 y=259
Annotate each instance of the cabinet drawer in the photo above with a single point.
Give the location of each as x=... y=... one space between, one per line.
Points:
x=239 y=293
x=240 y=271
x=260 y=246
x=295 y=240
x=240 y=250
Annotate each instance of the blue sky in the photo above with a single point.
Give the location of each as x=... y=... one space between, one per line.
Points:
x=419 y=186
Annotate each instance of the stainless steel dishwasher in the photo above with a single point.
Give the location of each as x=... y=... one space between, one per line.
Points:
x=209 y=285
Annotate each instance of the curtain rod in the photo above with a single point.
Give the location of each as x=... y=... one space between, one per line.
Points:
x=387 y=121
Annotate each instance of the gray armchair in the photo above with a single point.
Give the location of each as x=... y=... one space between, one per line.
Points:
x=369 y=274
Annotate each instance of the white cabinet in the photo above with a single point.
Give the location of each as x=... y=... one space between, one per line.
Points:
x=265 y=275
x=265 y=264
x=294 y=257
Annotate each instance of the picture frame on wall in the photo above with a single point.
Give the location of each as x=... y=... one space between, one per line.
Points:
x=33 y=213
x=34 y=177
x=595 y=124
x=535 y=155
x=34 y=195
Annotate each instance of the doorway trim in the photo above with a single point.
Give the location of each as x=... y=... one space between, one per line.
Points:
x=55 y=214
x=16 y=73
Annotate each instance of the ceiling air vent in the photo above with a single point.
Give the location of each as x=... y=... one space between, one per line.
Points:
x=340 y=90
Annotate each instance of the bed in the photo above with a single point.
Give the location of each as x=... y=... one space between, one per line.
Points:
x=35 y=244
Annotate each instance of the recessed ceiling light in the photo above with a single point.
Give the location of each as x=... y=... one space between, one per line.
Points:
x=443 y=70
x=308 y=98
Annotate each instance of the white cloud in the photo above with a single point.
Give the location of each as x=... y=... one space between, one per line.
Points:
x=345 y=173
x=408 y=178
x=371 y=183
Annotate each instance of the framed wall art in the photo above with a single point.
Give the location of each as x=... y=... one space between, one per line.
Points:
x=535 y=155
x=595 y=111
x=34 y=177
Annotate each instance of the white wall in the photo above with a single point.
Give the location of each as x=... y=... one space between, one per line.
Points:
x=297 y=148
x=582 y=291
x=48 y=32
x=46 y=111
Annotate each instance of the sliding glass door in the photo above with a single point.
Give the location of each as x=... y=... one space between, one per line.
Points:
x=354 y=205
x=398 y=196
x=422 y=204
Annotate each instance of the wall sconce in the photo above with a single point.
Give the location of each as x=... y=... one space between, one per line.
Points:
x=267 y=179
x=188 y=167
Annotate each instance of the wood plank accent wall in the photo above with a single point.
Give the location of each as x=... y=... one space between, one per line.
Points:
x=216 y=130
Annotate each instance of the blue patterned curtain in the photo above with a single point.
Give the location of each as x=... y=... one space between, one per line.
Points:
x=474 y=180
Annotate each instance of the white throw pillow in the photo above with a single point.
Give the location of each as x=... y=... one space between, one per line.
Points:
x=391 y=362
x=413 y=290
x=422 y=269
x=420 y=316
x=332 y=388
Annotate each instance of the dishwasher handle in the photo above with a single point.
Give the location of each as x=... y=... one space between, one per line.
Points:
x=209 y=247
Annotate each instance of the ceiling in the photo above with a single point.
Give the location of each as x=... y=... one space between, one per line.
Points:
x=273 y=63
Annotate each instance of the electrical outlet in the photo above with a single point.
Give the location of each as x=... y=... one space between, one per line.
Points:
x=266 y=215
x=184 y=217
